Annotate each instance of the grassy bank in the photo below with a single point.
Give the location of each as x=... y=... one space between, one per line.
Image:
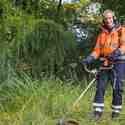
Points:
x=31 y=102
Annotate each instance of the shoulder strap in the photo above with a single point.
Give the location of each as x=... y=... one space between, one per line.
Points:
x=120 y=32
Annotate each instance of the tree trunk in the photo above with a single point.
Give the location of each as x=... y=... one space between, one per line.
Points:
x=59 y=6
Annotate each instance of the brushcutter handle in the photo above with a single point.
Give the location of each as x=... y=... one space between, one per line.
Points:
x=93 y=71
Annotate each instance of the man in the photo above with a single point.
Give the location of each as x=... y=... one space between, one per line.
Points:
x=110 y=49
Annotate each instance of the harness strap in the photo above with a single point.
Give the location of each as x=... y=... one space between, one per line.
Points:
x=106 y=67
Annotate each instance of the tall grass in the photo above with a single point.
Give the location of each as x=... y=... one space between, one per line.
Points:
x=24 y=101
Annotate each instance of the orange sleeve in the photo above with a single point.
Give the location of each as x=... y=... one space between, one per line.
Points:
x=122 y=40
x=96 y=52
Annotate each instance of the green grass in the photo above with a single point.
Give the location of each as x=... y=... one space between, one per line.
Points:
x=31 y=102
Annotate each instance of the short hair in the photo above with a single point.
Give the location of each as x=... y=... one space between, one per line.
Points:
x=108 y=11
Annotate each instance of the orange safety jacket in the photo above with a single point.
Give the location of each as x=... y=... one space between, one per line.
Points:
x=107 y=42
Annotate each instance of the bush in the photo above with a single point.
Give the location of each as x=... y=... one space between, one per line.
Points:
x=46 y=47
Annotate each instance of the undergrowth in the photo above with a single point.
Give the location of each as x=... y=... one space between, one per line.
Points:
x=24 y=101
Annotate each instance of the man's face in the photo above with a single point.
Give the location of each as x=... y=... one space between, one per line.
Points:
x=109 y=19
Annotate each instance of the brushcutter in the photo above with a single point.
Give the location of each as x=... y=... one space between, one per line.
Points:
x=94 y=71
x=75 y=104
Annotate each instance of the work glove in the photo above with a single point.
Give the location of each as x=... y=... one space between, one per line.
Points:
x=88 y=60
x=115 y=55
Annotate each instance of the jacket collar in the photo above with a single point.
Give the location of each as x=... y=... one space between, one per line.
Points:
x=115 y=28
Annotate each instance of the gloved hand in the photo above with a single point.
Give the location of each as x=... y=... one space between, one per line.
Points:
x=114 y=56
x=88 y=60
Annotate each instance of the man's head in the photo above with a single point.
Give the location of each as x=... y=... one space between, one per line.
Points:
x=108 y=16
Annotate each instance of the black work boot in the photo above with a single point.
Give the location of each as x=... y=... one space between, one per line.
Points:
x=115 y=115
x=97 y=115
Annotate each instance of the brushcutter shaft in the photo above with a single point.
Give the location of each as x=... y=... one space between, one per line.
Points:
x=83 y=93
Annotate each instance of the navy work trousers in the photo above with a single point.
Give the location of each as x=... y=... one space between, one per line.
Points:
x=116 y=75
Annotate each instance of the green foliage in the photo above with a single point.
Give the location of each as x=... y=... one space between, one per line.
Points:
x=48 y=9
x=118 y=7
x=34 y=38
x=29 y=6
x=45 y=47
x=40 y=9
x=27 y=43
x=26 y=101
